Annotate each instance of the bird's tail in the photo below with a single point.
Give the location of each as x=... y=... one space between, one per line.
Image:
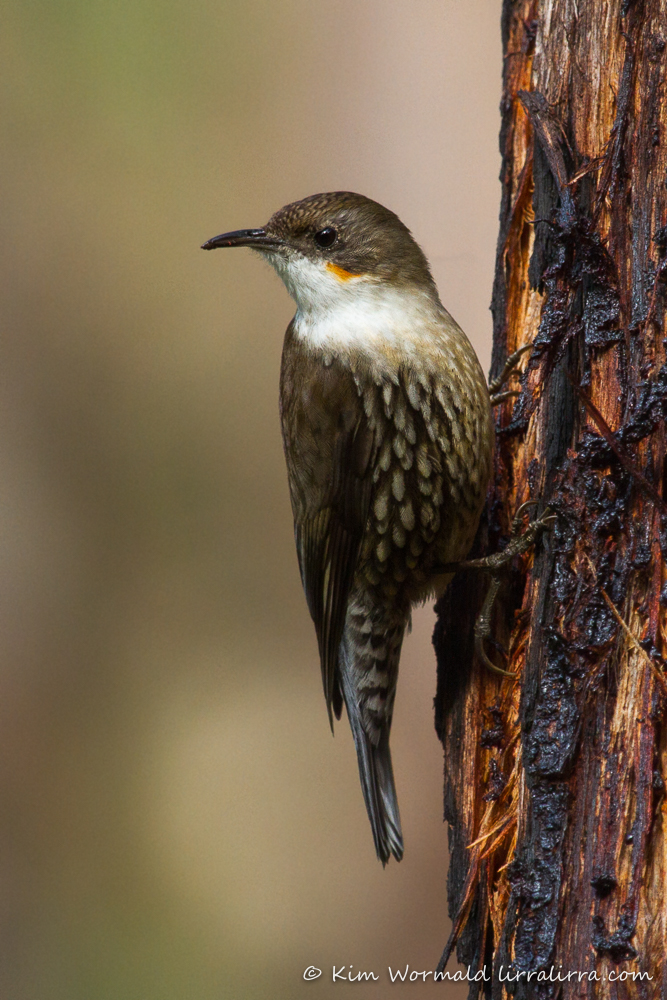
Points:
x=375 y=771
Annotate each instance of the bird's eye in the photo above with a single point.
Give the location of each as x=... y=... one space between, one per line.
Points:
x=326 y=237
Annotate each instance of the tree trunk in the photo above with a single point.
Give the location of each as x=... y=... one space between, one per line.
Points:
x=554 y=781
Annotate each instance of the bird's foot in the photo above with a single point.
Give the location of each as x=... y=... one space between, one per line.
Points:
x=509 y=369
x=482 y=629
x=521 y=539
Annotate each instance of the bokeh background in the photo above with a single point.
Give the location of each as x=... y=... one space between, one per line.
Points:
x=175 y=817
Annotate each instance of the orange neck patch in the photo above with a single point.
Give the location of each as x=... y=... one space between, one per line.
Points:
x=340 y=272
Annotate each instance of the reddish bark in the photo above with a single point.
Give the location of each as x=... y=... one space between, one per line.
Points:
x=554 y=781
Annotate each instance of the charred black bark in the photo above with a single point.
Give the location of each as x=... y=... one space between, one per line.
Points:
x=554 y=783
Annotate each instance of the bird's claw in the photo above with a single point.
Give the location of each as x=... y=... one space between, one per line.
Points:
x=481 y=637
x=500 y=397
x=510 y=366
x=520 y=541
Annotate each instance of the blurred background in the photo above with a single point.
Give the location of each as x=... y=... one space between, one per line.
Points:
x=175 y=817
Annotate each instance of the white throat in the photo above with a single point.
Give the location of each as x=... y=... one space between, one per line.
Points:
x=358 y=312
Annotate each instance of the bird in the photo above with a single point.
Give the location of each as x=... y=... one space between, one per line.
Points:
x=388 y=438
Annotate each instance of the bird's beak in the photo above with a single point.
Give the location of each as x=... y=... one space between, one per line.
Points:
x=257 y=238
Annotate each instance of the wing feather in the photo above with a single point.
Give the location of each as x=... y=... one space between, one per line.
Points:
x=330 y=450
x=328 y=543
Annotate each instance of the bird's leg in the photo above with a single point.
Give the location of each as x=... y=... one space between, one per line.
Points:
x=482 y=629
x=520 y=541
x=510 y=366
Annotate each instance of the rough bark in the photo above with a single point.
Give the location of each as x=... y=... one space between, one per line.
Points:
x=554 y=780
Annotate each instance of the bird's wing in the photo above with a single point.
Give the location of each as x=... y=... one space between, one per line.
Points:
x=330 y=450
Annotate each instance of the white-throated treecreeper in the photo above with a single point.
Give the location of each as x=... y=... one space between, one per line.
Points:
x=388 y=436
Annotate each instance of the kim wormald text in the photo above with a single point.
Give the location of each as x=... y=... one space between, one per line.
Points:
x=347 y=973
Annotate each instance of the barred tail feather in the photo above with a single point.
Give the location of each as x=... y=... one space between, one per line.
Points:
x=377 y=776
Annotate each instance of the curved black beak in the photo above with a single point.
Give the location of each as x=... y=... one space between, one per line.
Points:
x=256 y=238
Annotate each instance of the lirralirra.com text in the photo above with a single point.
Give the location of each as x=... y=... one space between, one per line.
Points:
x=506 y=975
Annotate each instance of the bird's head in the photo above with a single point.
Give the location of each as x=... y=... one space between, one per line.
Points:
x=334 y=247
